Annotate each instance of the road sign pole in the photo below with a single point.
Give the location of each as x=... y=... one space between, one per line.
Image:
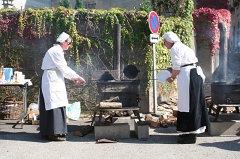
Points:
x=154 y=80
x=154 y=25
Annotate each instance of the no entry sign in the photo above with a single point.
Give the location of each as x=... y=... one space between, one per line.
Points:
x=153 y=22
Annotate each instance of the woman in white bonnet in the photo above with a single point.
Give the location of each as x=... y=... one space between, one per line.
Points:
x=192 y=110
x=53 y=96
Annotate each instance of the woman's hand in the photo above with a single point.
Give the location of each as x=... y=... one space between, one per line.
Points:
x=170 y=79
x=78 y=80
x=173 y=76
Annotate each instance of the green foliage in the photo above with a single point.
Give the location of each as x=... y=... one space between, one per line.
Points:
x=175 y=8
x=65 y=3
x=79 y=4
x=146 y=6
x=34 y=24
x=209 y=19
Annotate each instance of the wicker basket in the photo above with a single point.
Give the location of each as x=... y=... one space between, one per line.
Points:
x=10 y=109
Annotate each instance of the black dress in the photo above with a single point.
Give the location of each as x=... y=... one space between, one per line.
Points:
x=51 y=121
x=197 y=116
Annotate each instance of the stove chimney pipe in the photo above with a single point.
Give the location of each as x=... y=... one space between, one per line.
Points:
x=117 y=49
x=223 y=52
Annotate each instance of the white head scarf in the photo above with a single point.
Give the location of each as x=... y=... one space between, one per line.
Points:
x=171 y=37
x=63 y=37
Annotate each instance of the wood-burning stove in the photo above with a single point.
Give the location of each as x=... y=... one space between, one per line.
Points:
x=126 y=90
x=224 y=93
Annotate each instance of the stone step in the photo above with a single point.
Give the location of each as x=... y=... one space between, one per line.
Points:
x=228 y=124
x=112 y=131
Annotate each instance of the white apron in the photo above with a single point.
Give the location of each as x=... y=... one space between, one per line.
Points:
x=183 y=86
x=53 y=84
x=54 y=90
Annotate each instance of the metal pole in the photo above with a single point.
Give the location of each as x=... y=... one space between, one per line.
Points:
x=117 y=49
x=154 y=80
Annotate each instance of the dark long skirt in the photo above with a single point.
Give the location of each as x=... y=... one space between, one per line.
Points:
x=198 y=115
x=51 y=121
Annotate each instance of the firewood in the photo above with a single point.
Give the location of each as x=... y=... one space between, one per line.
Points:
x=163 y=118
x=112 y=113
x=119 y=113
x=108 y=118
x=115 y=99
x=155 y=124
x=174 y=112
x=148 y=117
x=106 y=141
x=130 y=113
x=110 y=105
x=77 y=133
x=163 y=124
x=84 y=131
x=172 y=118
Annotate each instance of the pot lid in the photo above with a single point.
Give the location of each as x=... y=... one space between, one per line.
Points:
x=106 y=76
x=130 y=71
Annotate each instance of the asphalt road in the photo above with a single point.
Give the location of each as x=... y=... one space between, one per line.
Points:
x=27 y=143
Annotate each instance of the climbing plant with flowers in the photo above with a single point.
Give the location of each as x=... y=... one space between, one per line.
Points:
x=206 y=22
x=216 y=4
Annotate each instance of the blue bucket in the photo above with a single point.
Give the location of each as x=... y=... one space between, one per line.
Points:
x=8 y=74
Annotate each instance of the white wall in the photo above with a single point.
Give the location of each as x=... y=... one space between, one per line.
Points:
x=23 y=4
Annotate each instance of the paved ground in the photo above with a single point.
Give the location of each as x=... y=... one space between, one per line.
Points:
x=28 y=143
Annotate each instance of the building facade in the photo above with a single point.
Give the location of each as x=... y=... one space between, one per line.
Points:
x=234 y=41
x=92 y=4
x=23 y=4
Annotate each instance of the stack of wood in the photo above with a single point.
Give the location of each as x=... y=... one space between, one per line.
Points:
x=214 y=107
x=162 y=121
x=111 y=103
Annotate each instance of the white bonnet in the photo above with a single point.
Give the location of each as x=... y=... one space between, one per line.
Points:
x=62 y=37
x=171 y=37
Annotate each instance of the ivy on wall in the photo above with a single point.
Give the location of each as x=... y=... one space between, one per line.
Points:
x=175 y=8
x=180 y=22
x=206 y=22
x=219 y=4
x=32 y=24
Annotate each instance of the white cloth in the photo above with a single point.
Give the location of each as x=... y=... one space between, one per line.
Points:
x=62 y=37
x=171 y=37
x=181 y=55
x=200 y=72
x=198 y=131
x=53 y=84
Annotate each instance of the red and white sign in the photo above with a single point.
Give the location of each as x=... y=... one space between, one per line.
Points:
x=153 y=22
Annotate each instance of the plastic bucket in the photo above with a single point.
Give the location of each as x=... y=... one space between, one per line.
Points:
x=8 y=74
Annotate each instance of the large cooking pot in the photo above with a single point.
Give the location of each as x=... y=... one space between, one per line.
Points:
x=130 y=71
x=225 y=93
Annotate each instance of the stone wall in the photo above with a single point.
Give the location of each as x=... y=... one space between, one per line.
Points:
x=97 y=58
x=106 y=4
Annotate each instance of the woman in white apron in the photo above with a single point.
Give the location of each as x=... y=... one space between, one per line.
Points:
x=53 y=96
x=192 y=109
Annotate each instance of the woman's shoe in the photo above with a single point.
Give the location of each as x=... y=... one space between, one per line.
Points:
x=56 y=138
x=189 y=139
x=182 y=135
x=62 y=135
